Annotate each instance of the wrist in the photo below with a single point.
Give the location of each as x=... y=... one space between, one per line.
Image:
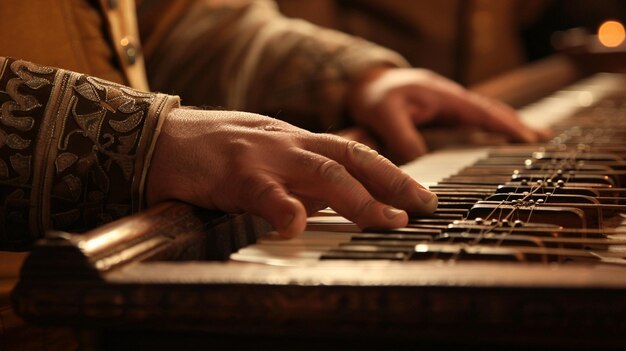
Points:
x=156 y=184
x=162 y=112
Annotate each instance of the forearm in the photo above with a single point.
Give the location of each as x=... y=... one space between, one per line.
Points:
x=247 y=56
x=74 y=150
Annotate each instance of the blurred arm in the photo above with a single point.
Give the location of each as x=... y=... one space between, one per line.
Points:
x=244 y=55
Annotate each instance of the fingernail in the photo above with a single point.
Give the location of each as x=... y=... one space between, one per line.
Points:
x=424 y=194
x=364 y=153
x=429 y=199
x=392 y=213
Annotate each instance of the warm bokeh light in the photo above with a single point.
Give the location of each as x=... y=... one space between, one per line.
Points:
x=611 y=34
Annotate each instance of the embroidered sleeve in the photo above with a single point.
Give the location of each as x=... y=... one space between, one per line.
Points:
x=74 y=150
x=244 y=55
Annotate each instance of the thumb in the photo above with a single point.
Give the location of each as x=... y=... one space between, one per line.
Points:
x=395 y=127
x=269 y=199
x=402 y=140
x=407 y=145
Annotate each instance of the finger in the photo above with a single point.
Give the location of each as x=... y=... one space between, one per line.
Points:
x=500 y=112
x=359 y=135
x=394 y=125
x=544 y=134
x=342 y=192
x=381 y=177
x=264 y=196
x=477 y=110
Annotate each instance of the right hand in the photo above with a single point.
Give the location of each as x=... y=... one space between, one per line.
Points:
x=391 y=102
x=236 y=161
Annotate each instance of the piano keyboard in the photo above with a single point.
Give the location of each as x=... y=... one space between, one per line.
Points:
x=563 y=202
x=526 y=250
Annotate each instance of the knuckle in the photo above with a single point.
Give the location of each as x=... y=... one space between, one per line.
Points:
x=239 y=146
x=304 y=159
x=360 y=152
x=350 y=147
x=351 y=144
x=332 y=171
x=329 y=139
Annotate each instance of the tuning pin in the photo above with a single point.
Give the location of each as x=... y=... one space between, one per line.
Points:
x=528 y=163
x=539 y=201
x=494 y=221
x=518 y=223
x=524 y=182
x=505 y=223
x=478 y=220
x=549 y=182
x=560 y=183
x=548 y=193
x=583 y=147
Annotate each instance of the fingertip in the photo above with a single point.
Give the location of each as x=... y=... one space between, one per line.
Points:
x=396 y=217
x=522 y=133
x=530 y=136
x=430 y=202
x=379 y=215
x=544 y=134
x=422 y=201
x=292 y=219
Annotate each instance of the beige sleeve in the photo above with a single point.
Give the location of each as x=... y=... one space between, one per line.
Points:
x=244 y=55
x=74 y=150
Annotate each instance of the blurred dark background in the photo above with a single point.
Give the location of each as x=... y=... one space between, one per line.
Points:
x=466 y=40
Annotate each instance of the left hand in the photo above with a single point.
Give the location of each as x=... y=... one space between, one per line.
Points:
x=391 y=102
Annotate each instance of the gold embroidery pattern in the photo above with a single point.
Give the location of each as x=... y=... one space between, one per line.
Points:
x=97 y=150
x=80 y=161
x=24 y=90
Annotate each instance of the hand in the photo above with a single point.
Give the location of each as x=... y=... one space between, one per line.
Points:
x=390 y=102
x=235 y=161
